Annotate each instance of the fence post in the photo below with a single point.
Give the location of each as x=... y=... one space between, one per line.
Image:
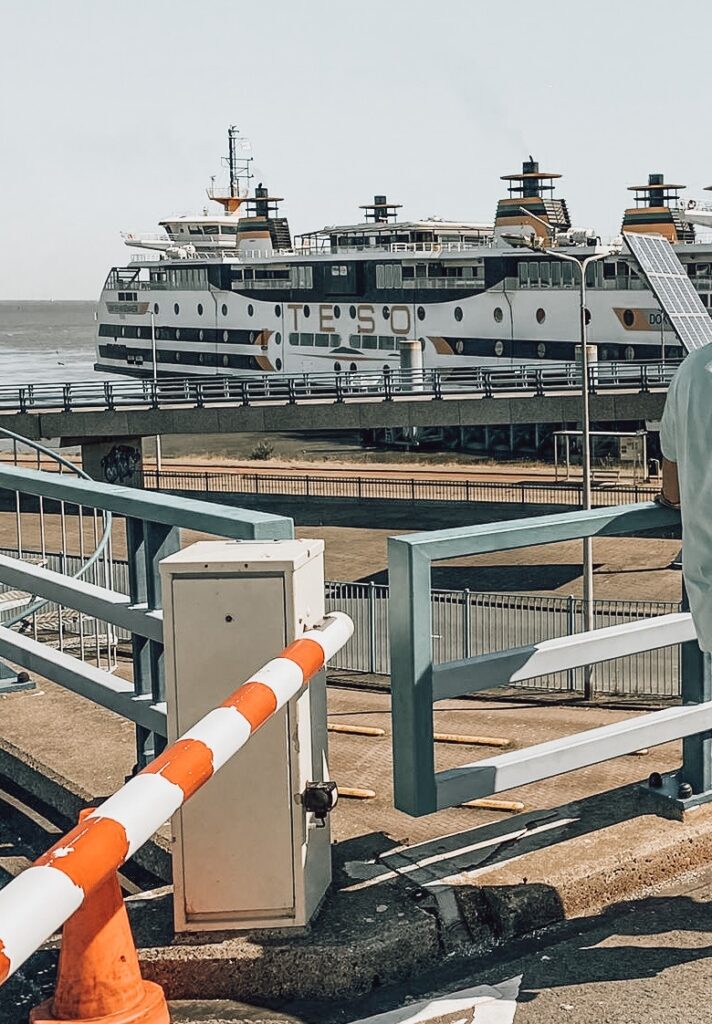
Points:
x=371 y=627
x=571 y=629
x=696 y=687
x=466 y=622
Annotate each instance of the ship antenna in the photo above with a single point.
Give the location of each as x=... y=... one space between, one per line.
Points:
x=239 y=167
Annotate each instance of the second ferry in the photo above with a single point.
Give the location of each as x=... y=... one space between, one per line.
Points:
x=233 y=293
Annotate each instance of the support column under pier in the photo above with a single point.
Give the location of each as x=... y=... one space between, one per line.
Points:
x=118 y=460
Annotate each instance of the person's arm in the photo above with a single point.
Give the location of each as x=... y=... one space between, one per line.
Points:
x=670 y=491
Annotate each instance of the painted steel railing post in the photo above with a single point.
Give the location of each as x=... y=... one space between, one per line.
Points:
x=571 y=629
x=387 y=384
x=437 y=385
x=339 y=389
x=371 y=627
x=147 y=544
x=466 y=623
x=696 y=687
x=411 y=649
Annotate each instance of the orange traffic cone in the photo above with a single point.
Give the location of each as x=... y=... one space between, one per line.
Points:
x=99 y=977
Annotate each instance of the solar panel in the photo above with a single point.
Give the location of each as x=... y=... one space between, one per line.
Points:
x=672 y=288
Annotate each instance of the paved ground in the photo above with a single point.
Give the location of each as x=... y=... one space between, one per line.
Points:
x=642 y=962
x=97 y=752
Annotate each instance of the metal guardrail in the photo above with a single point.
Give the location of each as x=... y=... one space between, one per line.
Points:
x=468 y=623
x=417 y=682
x=368 y=488
x=538 y=379
x=152 y=524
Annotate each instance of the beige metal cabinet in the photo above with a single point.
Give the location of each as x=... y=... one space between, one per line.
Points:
x=245 y=853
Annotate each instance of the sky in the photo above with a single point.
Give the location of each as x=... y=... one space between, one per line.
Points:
x=114 y=115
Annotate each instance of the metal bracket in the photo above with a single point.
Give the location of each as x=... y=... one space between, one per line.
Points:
x=12 y=681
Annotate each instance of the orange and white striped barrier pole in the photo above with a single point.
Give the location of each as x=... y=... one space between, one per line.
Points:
x=36 y=903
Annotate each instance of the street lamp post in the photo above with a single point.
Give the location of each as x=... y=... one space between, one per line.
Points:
x=582 y=265
x=155 y=381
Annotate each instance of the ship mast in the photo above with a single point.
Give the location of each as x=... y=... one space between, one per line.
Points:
x=239 y=170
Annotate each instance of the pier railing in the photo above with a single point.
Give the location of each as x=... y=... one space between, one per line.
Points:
x=152 y=523
x=171 y=390
x=417 y=682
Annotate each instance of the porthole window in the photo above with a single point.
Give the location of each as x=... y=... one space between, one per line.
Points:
x=306 y=311
x=629 y=352
x=337 y=312
x=603 y=354
x=386 y=312
x=278 y=338
x=138 y=332
x=587 y=316
x=123 y=332
x=459 y=346
x=277 y=310
x=499 y=348
x=224 y=309
x=540 y=315
x=421 y=313
x=226 y=335
x=177 y=356
x=177 y=333
x=458 y=313
x=155 y=308
x=252 y=337
x=337 y=367
x=498 y=315
x=278 y=364
x=225 y=360
x=541 y=350
x=352 y=312
x=353 y=368
x=250 y=310
x=176 y=308
x=628 y=317
x=201 y=335
x=201 y=358
x=200 y=309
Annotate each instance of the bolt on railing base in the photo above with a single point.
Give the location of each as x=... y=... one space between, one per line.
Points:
x=12 y=681
x=674 y=793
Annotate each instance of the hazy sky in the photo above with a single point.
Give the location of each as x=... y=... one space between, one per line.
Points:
x=114 y=115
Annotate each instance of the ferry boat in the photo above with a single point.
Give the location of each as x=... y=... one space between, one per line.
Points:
x=233 y=293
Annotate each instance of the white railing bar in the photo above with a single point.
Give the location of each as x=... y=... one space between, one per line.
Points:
x=566 y=754
x=455 y=678
x=82 y=596
x=81 y=678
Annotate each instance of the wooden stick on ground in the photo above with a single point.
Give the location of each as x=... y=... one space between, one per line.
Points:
x=356 y=730
x=475 y=741
x=352 y=793
x=513 y=806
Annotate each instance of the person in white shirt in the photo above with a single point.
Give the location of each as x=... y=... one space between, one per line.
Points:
x=686 y=442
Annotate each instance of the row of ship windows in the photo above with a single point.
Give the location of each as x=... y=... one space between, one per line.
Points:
x=364 y=341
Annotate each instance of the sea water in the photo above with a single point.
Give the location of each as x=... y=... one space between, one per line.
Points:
x=47 y=341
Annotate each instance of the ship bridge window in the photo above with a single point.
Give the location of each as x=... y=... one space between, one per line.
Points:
x=229 y=229
x=533 y=275
x=211 y=229
x=544 y=275
x=386 y=343
x=567 y=275
x=389 y=275
x=195 y=229
x=369 y=341
x=523 y=274
x=302 y=277
x=555 y=274
x=324 y=340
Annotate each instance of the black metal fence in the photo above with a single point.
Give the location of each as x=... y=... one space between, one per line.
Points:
x=307 y=485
